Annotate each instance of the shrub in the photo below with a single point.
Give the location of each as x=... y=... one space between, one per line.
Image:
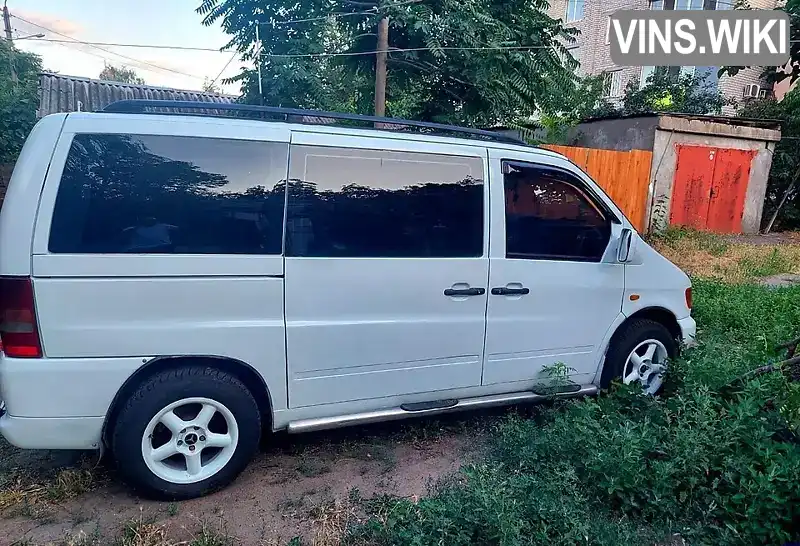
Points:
x=717 y=466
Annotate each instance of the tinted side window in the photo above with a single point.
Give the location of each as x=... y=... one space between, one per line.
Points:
x=372 y=203
x=163 y=194
x=548 y=216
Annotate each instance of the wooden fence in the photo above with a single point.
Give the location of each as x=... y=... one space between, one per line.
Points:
x=624 y=176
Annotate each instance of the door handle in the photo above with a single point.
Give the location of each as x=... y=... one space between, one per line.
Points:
x=464 y=291
x=505 y=291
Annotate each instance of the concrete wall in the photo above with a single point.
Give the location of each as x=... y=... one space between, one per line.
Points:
x=673 y=130
x=635 y=133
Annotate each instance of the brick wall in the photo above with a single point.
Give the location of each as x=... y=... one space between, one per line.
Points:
x=595 y=55
x=593 y=52
x=733 y=86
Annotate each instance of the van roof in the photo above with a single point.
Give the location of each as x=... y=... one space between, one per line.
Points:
x=327 y=122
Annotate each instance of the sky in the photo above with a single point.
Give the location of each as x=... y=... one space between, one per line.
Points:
x=150 y=22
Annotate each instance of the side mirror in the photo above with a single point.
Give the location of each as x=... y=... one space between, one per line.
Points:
x=624 y=249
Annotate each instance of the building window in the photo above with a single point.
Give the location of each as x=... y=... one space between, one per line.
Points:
x=574 y=10
x=613 y=84
x=689 y=4
x=608 y=30
x=360 y=203
x=149 y=194
x=645 y=76
x=548 y=216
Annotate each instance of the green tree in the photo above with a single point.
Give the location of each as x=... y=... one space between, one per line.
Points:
x=784 y=176
x=120 y=74
x=664 y=92
x=19 y=98
x=479 y=62
x=210 y=86
x=792 y=70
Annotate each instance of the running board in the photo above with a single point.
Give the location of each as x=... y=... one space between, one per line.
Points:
x=393 y=414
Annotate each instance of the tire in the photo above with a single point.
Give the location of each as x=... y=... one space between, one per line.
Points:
x=229 y=435
x=639 y=334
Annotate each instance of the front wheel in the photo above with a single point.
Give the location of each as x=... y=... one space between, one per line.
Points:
x=186 y=432
x=640 y=354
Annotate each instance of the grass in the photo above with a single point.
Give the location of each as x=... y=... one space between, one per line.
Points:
x=22 y=493
x=711 y=256
x=705 y=462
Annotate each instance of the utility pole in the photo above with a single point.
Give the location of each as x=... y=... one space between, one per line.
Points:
x=7 y=21
x=258 y=63
x=380 y=67
x=9 y=37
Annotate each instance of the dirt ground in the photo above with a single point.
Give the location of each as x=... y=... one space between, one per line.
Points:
x=297 y=486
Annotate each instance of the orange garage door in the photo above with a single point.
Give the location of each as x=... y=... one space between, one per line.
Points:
x=709 y=188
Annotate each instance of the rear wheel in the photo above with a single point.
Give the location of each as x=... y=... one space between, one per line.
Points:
x=640 y=353
x=186 y=432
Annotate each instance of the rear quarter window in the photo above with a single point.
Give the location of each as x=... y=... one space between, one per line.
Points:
x=122 y=193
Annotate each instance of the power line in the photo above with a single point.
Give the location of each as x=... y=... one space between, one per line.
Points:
x=144 y=46
x=223 y=69
x=322 y=18
x=106 y=50
x=407 y=49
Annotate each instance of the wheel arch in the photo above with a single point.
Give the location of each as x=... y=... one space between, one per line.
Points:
x=660 y=315
x=657 y=314
x=248 y=375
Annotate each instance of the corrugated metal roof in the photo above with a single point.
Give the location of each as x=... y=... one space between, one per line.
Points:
x=58 y=93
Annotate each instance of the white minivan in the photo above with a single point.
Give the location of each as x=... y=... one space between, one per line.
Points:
x=174 y=282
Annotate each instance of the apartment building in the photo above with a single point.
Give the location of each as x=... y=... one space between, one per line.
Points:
x=593 y=49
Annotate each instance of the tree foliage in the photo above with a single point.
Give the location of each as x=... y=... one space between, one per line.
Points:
x=663 y=92
x=19 y=98
x=210 y=86
x=792 y=70
x=120 y=74
x=480 y=61
x=785 y=159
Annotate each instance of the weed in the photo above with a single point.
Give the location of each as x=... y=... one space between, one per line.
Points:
x=141 y=532
x=69 y=483
x=708 y=255
x=25 y=495
x=311 y=468
x=82 y=539
x=630 y=469
x=209 y=537
x=331 y=520
x=290 y=506
x=172 y=509
x=774 y=263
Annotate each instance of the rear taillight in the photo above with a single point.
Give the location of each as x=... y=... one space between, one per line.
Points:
x=689 y=297
x=18 y=330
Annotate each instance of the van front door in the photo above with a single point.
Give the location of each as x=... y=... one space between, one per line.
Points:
x=555 y=284
x=386 y=268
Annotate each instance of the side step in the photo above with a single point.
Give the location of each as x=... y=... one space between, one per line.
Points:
x=429 y=408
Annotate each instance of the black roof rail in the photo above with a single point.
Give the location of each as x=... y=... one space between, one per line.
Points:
x=215 y=109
